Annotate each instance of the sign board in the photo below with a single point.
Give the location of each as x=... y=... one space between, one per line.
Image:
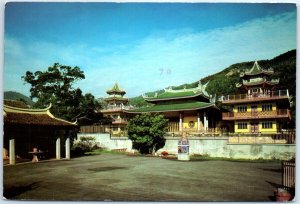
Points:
x=183 y=149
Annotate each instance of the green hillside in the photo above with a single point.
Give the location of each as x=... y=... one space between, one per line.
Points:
x=223 y=82
x=12 y=95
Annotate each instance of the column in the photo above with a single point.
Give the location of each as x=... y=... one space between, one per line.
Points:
x=180 y=123
x=12 y=156
x=58 y=148
x=205 y=121
x=68 y=151
x=198 y=122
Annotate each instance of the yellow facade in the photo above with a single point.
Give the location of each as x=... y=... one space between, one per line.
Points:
x=236 y=130
x=186 y=121
x=260 y=127
x=268 y=130
x=259 y=106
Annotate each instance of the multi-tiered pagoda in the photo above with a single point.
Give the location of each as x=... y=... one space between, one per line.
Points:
x=116 y=104
x=260 y=108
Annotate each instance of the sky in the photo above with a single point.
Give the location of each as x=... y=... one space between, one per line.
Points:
x=142 y=46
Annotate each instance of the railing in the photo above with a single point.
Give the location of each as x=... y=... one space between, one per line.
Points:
x=255 y=96
x=117 y=108
x=288 y=175
x=209 y=132
x=119 y=120
x=119 y=134
x=257 y=114
x=288 y=137
x=94 y=129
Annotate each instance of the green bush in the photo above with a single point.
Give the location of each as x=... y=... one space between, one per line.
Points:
x=85 y=144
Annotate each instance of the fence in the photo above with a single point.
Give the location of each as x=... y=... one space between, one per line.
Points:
x=94 y=129
x=288 y=175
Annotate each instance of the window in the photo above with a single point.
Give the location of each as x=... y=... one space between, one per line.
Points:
x=242 y=126
x=242 y=108
x=267 y=125
x=266 y=107
x=115 y=129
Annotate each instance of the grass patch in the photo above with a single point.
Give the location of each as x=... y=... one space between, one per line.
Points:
x=103 y=151
x=197 y=157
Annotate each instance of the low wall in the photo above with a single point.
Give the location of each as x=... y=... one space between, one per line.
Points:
x=221 y=148
x=104 y=140
x=214 y=147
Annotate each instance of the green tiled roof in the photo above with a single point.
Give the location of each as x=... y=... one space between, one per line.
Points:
x=173 y=107
x=170 y=95
x=116 y=89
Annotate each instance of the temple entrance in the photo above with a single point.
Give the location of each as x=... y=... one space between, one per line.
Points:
x=254 y=127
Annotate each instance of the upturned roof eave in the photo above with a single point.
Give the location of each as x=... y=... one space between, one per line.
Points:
x=152 y=99
x=184 y=109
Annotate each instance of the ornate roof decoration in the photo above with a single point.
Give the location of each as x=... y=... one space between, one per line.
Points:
x=169 y=93
x=256 y=69
x=174 y=107
x=258 y=81
x=116 y=90
x=25 y=116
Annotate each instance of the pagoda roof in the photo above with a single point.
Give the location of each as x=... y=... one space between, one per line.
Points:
x=173 y=107
x=117 y=98
x=256 y=70
x=25 y=116
x=115 y=89
x=170 y=94
x=258 y=82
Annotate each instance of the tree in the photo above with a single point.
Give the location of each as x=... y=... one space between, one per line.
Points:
x=89 y=112
x=55 y=86
x=147 y=132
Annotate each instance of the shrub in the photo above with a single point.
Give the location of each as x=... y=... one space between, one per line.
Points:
x=85 y=144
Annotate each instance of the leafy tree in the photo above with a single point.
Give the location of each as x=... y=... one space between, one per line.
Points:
x=89 y=110
x=147 y=132
x=55 y=86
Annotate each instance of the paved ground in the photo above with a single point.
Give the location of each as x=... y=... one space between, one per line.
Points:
x=128 y=178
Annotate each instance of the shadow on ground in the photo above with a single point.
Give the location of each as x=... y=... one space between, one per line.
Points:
x=17 y=190
x=107 y=168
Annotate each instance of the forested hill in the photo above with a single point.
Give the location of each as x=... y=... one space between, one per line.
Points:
x=223 y=83
x=12 y=95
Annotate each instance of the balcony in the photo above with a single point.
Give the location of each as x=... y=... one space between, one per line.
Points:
x=120 y=121
x=242 y=98
x=280 y=113
x=111 y=109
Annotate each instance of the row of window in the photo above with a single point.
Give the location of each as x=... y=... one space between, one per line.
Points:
x=265 y=125
x=265 y=107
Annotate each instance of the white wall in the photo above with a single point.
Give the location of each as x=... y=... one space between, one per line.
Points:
x=211 y=147
x=103 y=140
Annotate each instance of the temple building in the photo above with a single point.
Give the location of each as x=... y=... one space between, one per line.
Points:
x=116 y=104
x=260 y=107
x=25 y=129
x=188 y=110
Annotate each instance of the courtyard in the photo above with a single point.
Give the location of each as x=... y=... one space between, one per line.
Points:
x=112 y=177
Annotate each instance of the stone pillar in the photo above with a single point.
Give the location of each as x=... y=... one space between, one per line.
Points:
x=198 y=122
x=12 y=156
x=58 y=148
x=68 y=149
x=205 y=121
x=180 y=123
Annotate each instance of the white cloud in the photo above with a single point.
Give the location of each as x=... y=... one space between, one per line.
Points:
x=182 y=58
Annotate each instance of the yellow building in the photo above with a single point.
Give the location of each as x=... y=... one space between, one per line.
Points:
x=116 y=104
x=260 y=108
